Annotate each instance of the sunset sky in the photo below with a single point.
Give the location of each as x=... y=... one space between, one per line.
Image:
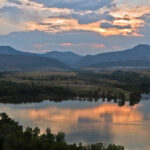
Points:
x=81 y=26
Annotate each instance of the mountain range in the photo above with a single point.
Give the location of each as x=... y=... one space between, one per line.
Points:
x=16 y=60
x=124 y=58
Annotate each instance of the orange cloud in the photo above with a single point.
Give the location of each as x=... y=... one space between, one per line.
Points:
x=38 y=45
x=64 y=24
x=98 y=45
x=125 y=15
x=42 y=18
x=66 y=44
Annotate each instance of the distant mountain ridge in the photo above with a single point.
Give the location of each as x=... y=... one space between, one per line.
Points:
x=68 y=58
x=138 y=53
x=15 y=60
x=7 y=50
x=12 y=59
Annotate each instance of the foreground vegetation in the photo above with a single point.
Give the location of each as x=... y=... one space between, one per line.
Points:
x=119 y=86
x=13 y=137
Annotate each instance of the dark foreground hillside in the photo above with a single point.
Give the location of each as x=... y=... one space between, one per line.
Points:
x=13 y=137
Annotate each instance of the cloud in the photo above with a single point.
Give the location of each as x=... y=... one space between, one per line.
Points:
x=108 y=25
x=98 y=45
x=54 y=25
x=66 y=44
x=110 y=17
x=39 y=45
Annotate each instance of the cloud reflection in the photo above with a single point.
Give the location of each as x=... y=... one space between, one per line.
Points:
x=87 y=122
x=64 y=119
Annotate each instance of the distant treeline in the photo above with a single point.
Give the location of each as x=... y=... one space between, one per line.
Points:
x=127 y=80
x=20 y=91
x=13 y=137
x=13 y=92
x=119 y=86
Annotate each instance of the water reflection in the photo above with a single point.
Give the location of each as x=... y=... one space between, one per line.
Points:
x=88 y=121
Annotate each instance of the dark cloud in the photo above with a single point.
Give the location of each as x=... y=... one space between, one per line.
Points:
x=50 y=25
x=92 y=17
x=126 y=17
x=145 y=17
x=108 y=25
x=45 y=24
x=15 y=2
x=77 y=4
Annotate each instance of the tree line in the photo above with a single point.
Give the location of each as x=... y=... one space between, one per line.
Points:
x=126 y=81
x=12 y=92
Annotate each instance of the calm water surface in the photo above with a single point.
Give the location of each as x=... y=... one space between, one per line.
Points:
x=88 y=122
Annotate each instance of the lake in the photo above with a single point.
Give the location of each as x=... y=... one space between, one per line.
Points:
x=88 y=122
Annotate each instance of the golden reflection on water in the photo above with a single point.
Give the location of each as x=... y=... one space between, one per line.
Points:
x=105 y=113
x=63 y=119
x=119 y=125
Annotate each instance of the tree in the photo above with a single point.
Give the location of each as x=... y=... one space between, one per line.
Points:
x=60 y=137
